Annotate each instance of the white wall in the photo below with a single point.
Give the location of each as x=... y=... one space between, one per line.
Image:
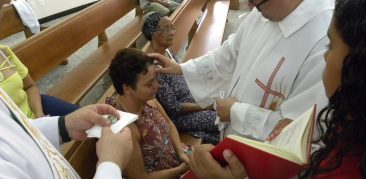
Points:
x=44 y=8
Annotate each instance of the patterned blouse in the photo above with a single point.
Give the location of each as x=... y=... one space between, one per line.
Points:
x=173 y=91
x=156 y=146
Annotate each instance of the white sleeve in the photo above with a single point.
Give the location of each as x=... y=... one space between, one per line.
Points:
x=49 y=128
x=108 y=170
x=210 y=73
x=308 y=90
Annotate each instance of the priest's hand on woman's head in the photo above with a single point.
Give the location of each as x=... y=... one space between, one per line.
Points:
x=86 y=117
x=116 y=148
x=167 y=66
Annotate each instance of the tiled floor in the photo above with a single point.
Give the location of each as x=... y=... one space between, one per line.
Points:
x=234 y=18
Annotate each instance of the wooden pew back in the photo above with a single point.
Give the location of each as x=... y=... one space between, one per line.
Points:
x=11 y=22
x=210 y=32
x=42 y=53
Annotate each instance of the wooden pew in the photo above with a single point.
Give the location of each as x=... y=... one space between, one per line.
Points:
x=42 y=53
x=84 y=159
x=4 y=1
x=234 y=4
x=183 y=20
x=210 y=31
x=11 y=22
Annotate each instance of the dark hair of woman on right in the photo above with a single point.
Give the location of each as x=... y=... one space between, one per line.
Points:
x=342 y=124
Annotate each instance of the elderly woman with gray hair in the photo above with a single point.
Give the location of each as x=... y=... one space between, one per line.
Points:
x=173 y=93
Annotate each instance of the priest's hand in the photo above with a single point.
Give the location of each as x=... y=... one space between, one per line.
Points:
x=167 y=65
x=86 y=117
x=116 y=148
x=204 y=165
x=278 y=128
x=223 y=107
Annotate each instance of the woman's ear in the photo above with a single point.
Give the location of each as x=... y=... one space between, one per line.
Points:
x=153 y=36
x=126 y=89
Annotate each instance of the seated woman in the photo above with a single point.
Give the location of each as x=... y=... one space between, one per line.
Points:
x=159 y=151
x=173 y=93
x=342 y=123
x=19 y=85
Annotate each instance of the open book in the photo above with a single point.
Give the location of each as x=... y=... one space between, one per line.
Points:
x=282 y=157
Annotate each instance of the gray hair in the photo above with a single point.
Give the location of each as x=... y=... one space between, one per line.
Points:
x=150 y=24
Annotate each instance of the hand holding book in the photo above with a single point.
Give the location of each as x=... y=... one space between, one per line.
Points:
x=283 y=157
x=202 y=157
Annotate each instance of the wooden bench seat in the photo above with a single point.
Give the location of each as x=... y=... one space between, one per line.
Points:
x=210 y=31
x=183 y=21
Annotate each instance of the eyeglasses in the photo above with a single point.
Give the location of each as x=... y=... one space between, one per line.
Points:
x=167 y=30
x=258 y=3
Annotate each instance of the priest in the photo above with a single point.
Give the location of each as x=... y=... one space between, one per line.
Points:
x=268 y=71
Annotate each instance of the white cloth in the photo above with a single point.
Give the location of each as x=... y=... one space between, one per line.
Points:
x=22 y=156
x=265 y=66
x=27 y=15
x=108 y=170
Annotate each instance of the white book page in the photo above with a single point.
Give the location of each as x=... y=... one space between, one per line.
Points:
x=293 y=136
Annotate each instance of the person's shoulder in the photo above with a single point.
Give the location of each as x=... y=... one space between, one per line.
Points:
x=153 y=103
x=135 y=133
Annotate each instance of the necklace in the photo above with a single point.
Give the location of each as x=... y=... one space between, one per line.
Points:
x=119 y=105
x=2 y=65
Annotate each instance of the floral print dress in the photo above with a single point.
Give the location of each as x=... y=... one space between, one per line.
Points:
x=172 y=92
x=156 y=146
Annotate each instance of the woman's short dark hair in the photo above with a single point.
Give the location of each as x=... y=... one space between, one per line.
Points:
x=126 y=66
x=345 y=115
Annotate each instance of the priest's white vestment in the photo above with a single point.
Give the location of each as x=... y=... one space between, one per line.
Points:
x=272 y=68
x=30 y=148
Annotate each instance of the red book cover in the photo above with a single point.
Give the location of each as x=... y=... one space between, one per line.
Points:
x=259 y=164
